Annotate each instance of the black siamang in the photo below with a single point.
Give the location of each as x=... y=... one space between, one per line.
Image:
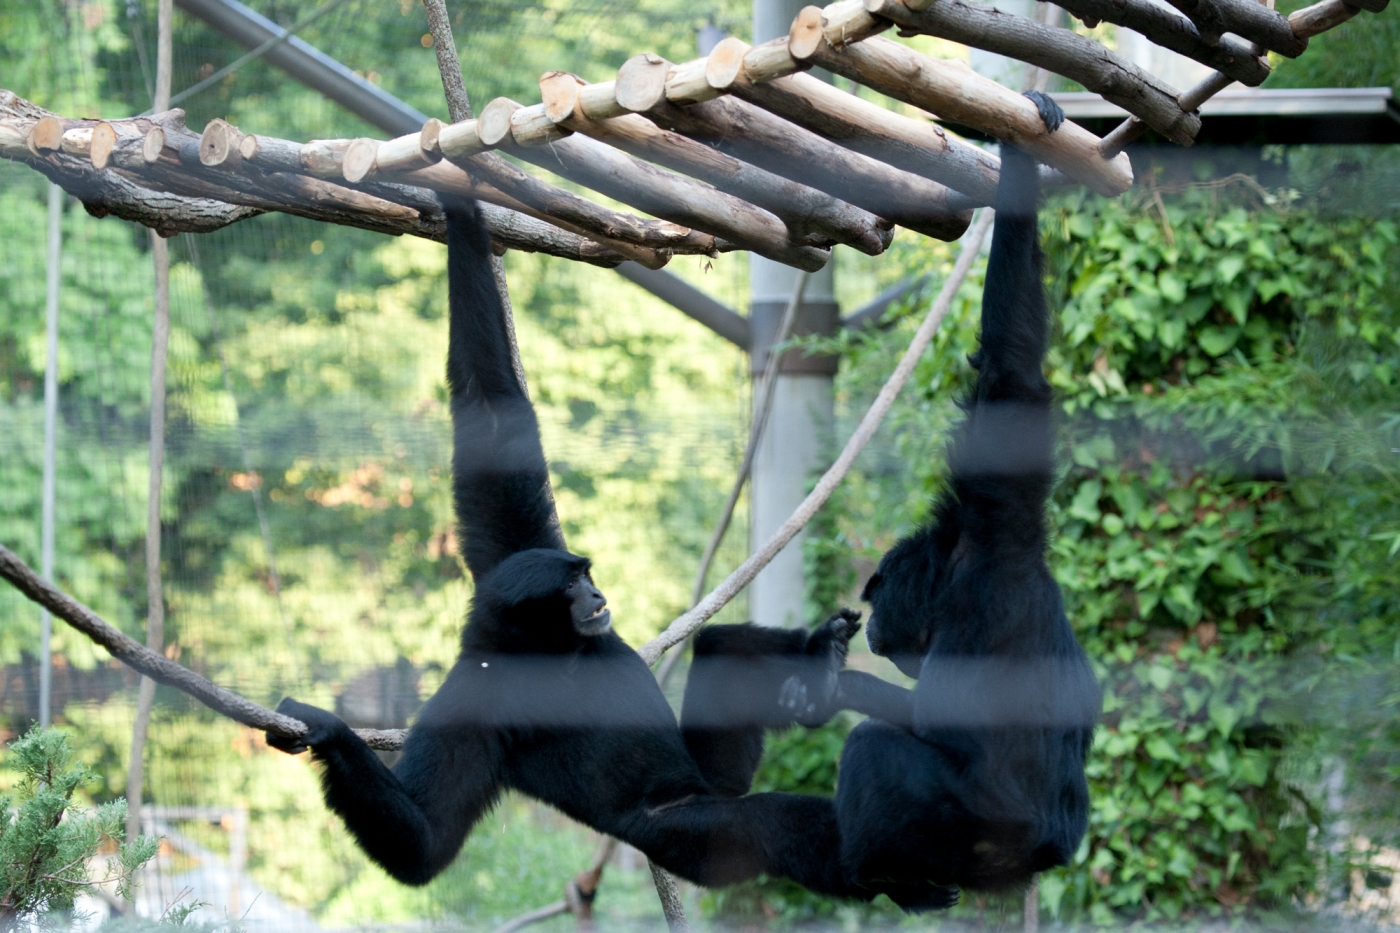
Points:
x=975 y=778
x=545 y=698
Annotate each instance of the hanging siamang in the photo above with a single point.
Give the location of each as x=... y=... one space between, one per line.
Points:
x=975 y=778
x=544 y=698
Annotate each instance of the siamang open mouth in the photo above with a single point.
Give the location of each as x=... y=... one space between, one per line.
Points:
x=597 y=623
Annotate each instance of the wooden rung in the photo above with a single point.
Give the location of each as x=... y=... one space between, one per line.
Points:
x=219 y=146
x=1057 y=50
x=657 y=192
x=1172 y=31
x=753 y=135
x=804 y=210
x=955 y=92
x=916 y=146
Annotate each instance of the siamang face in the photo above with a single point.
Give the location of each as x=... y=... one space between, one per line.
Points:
x=587 y=606
x=901 y=595
x=547 y=592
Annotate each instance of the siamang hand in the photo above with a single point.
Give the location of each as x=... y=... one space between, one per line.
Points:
x=321 y=726
x=1050 y=113
x=813 y=696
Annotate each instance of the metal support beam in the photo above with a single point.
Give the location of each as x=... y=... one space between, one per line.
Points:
x=309 y=65
x=870 y=313
x=690 y=301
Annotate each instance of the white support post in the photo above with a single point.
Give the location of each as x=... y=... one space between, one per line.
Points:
x=802 y=413
x=55 y=254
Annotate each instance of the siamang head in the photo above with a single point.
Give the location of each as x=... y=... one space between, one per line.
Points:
x=545 y=593
x=902 y=594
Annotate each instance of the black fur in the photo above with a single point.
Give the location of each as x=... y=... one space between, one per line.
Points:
x=977 y=780
x=537 y=701
x=748 y=678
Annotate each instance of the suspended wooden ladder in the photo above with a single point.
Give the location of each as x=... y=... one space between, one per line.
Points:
x=740 y=150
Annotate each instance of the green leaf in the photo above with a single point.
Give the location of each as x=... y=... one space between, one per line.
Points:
x=1217 y=340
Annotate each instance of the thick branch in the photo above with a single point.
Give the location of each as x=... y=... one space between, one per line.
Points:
x=805 y=210
x=1059 y=50
x=655 y=191
x=955 y=92
x=1258 y=23
x=160 y=668
x=915 y=146
x=753 y=135
x=1173 y=31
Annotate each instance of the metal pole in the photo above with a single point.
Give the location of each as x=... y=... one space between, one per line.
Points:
x=50 y=449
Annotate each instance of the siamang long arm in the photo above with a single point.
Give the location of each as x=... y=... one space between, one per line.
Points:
x=1002 y=457
x=879 y=699
x=500 y=482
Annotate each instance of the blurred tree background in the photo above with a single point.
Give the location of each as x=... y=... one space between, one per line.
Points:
x=1228 y=522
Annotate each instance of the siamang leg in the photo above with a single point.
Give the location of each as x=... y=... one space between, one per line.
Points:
x=898 y=833
x=717 y=841
x=411 y=820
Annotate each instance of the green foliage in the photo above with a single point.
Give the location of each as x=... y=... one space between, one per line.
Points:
x=46 y=842
x=1224 y=529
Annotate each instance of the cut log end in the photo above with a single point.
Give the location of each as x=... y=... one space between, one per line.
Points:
x=359 y=161
x=104 y=140
x=725 y=64
x=219 y=146
x=428 y=140
x=805 y=37
x=560 y=92
x=153 y=145
x=493 y=126
x=249 y=147
x=46 y=136
x=641 y=82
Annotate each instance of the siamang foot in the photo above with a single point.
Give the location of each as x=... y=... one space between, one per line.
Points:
x=321 y=727
x=920 y=898
x=812 y=695
x=1050 y=113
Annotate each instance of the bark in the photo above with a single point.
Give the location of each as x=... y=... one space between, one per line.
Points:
x=955 y=92
x=1173 y=31
x=1059 y=50
x=806 y=211
x=917 y=146
x=660 y=193
x=755 y=136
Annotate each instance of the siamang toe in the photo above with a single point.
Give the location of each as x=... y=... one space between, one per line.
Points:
x=833 y=637
x=1050 y=113
x=321 y=726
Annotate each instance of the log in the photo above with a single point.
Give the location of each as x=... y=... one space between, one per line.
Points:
x=753 y=135
x=955 y=92
x=916 y=146
x=653 y=190
x=1320 y=17
x=324 y=158
x=618 y=231
x=805 y=211
x=1054 y=49
x=1260 y=24
x=134 y=191
x=1173 y=31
